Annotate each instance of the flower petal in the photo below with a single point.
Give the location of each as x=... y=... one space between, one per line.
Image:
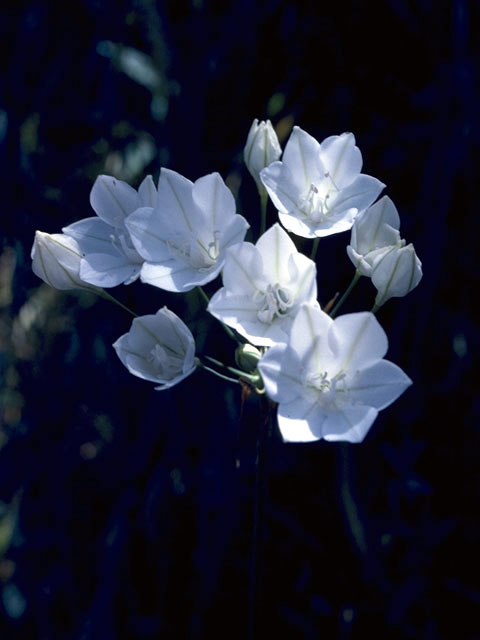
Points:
x=243 y=269
x=350 y=424
x=106 y=270
x=357 y=340
x=378 y=385
x=341 y=158
x=281 y=372
x=147 y=232
x=113 y=200
x=276 y=247
x=215 y=200
x=302 y=157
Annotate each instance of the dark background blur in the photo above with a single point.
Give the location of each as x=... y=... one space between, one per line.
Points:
x=123 y=513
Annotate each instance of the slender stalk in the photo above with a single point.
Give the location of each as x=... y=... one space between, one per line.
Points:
x=217 y=373
x=110 y=298
x=314 y=249
x=263 y=208
x=354 y=281
x=258 y=533
x=375 y=308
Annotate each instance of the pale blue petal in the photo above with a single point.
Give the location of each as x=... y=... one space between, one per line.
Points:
x=243 y=269
x=215 y=200
x=348 y=424
x=147 y=232
x=281 y=373
x=106 y=270
x=378 y=385
x=113 y=200
x=93 y=235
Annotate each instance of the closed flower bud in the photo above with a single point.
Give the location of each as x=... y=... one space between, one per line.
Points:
x=396 y=273
x=262 y=148
x=247 y=357
x=56 y=260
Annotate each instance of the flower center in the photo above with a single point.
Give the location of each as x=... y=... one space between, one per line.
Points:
x=275 y=302
x=166 y=364
x=316 y=204
x=329 y=391
x=124 y=245
x=194 y=252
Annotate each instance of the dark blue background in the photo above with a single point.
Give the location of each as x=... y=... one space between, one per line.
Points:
x=122 y=511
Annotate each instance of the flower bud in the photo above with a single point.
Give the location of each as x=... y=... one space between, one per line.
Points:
x=396 y=273
x=374 y=232
x=56 y=260
x=159 y=347
x=247 y=357
x=262 y=148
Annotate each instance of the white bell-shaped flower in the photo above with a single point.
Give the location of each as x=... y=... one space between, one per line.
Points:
x=330 y=380
x=264 y=285
x=159 y=348
x=183 y=239
x=110 y=257
x=318 y=188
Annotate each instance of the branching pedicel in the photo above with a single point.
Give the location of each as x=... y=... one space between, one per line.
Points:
x=328 y=376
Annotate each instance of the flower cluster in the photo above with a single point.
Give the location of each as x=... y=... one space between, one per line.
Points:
x=327 y=374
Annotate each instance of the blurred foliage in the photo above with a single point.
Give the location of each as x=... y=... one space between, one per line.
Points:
x=126 y=513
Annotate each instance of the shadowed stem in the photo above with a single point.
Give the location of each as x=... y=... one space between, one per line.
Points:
x=110 y=298
x=354 y=281
x=314 y=249
x=258 y=534
x=263 y=208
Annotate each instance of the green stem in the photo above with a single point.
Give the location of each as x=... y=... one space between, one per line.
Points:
x=263 y=207
x=237 y=372
x=354 y=281
x=217 y=373
x=110 y=298
x=375 y=308
x=314 y=249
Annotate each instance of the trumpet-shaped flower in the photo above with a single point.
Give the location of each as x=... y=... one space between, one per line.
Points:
x=374 y=232
x=377 y=251
x=264 y=285
x=330 y=380
x=183 y=239
x=261 y=149
x=110 y=257
x=159 y=348
x=318 y=188
x=56 y=260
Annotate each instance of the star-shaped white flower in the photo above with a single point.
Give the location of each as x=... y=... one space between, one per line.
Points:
x=183 y=239
x=330 y=380
x=264 y=285
x=318 y=188
x=109 y=255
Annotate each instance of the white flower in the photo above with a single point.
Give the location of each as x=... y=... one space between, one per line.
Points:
x=374 y=232
x=262 y=148
x=396 y=273
x=184 y=238
x=318 y=188
x=377 y=251
x=56 y=260
x=264 y=285
x=159 y=348
x=110 y=257
x=330 y=379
